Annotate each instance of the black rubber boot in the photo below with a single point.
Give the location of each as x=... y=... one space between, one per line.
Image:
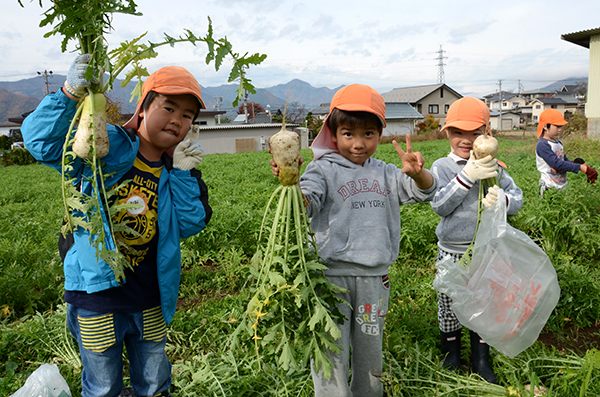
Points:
x=480 y=359
x=451 y=349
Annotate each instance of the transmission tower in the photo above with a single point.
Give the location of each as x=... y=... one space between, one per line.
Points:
x=440 y=58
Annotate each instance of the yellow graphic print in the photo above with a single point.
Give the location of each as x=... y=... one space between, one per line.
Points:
x=155 y=328
x=143 y=219
x=97 y=333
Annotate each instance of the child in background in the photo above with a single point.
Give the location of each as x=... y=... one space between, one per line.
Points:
x=552 y=162
x=354 y=203
x=104 y=315
x=456 y=202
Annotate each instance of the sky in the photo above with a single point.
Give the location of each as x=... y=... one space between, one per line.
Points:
x=515 y=45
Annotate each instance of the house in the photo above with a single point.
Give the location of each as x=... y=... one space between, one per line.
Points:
x=400 y=117
x=539 y=93
x=510 y=120
x=564 y=106
x=434 y=99
x=510 y=101
x=242 y=137
x=9 y=128
x=590 y=39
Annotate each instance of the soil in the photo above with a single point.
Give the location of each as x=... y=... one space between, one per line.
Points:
x=574 y=340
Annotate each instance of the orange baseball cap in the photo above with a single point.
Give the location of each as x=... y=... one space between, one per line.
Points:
x=550 y=116
x=359 y=98
x=352 y=98
x=170 y=80
x=467 y=114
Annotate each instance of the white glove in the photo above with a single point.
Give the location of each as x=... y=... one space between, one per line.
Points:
x=76 y=83
x=188 y=154
x=491 y=198
x=484 y=168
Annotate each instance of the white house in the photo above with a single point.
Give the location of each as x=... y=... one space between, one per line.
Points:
x=236 y=138
x=400 y=119
x=434 y=99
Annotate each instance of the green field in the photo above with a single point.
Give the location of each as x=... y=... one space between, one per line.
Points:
x=215 y=283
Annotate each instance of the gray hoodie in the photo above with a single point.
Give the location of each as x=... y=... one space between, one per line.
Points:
x=355 y=212
x=457 y=199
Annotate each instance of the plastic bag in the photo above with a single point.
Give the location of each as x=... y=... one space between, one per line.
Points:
x=46 y=381
x=509 y=290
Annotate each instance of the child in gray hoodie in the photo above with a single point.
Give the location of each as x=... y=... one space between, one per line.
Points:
x=354 y=203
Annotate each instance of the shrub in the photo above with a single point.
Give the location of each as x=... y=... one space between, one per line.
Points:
x=17 y=157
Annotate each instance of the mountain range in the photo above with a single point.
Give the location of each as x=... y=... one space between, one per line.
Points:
x=19 y=97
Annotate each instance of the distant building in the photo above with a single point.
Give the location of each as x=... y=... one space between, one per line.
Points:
x=400 y=117
x=434 y=99
x=590 y=39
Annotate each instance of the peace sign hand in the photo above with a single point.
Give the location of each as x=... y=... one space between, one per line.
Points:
x=412 y=162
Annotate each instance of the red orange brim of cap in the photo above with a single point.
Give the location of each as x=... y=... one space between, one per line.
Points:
x=550 y=116
x=170 y=80
x=359 y=98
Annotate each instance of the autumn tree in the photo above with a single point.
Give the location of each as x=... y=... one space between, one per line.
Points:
x=253 y=109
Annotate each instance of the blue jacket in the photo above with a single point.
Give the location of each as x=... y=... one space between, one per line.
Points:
x=183 y=208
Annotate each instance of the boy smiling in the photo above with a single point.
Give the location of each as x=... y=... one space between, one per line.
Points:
x=105 y=314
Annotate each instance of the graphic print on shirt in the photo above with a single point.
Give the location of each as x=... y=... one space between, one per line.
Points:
x=368 y=318
x=141 y=190
x=353 y=190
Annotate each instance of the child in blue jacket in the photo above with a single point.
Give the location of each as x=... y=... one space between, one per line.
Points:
x=105 y=314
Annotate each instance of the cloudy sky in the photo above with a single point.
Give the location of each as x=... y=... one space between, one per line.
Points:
x=328 y=43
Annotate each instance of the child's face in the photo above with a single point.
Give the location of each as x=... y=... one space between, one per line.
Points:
x=461 y=141
x=553 y=132
x=166 y=122
x=357 y=143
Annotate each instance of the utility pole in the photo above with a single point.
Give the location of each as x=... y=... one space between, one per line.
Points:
x=45 y=75
x=500 y=105
x=219 y=99
x=440 y=58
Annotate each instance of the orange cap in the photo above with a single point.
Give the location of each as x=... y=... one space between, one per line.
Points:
x=170 y=80
x=359 y=98
x=467 y=114
x=550 y=116
x=352 y=98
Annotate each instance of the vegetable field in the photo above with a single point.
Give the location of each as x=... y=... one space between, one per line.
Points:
x=216 y=282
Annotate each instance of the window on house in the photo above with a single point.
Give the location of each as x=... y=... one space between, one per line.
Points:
x=434 y=109
x=442 y=92
x=538 y=106
x=202 y=123
x=446 y=107
x=553 y=106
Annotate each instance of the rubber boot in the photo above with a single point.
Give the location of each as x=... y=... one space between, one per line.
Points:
x=451 y=349
x=480 y=358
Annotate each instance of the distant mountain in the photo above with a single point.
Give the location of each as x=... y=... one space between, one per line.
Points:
x=560 y=83
x=14 y=105
x=275 y=96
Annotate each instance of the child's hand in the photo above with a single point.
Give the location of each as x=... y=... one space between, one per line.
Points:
x=76 y=83
x=412 y=162
x=188 y=153
x=491 y=198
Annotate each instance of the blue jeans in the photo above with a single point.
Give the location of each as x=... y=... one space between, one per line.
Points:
x=101 y=337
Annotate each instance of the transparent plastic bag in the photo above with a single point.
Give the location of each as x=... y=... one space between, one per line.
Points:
x=509 y=290
x=45 y=381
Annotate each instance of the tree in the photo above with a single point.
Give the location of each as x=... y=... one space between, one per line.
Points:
x=296 y=112
x=114 y=111
x=314 y=124
x=253 y=109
